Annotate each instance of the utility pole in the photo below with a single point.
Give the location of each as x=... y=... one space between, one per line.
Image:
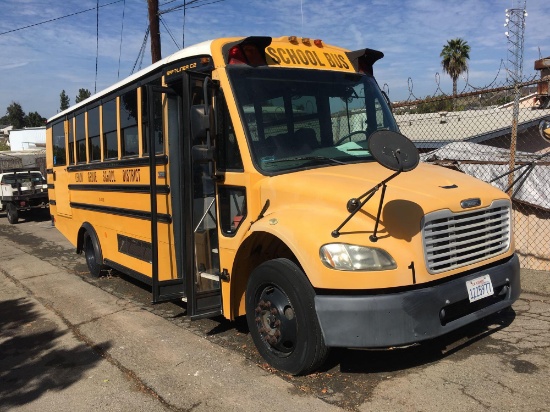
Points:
x=154 y=30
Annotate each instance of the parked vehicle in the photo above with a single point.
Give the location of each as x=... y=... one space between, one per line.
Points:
x=267 y=178
x=23 y=190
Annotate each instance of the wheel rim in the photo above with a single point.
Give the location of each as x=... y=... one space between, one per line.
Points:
x=276 y=321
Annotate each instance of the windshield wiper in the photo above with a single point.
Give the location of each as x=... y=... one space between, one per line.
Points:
x=310 y=158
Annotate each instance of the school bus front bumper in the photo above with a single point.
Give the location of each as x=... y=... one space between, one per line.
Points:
x=397 y=319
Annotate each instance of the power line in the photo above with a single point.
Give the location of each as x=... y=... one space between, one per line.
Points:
x=183 y=26
x=189 y=5
x=169 y=32
x=120 y=47
x=142 y=50
x=97 y=44
x=59 y=18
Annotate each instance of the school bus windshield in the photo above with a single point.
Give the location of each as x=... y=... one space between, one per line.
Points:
x=297 y=119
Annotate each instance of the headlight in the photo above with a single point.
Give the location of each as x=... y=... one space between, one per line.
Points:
x=341 y=256
x=544 y=129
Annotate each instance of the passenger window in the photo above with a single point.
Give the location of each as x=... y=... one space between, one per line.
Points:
x=110 y=140
x=80 y=138
x=128 y=124
x=70 y=128
x=94 y=147
x=58 y=136
x=157 y=120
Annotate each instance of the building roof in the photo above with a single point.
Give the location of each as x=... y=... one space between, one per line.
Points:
x=435 y=130
x=28 y=138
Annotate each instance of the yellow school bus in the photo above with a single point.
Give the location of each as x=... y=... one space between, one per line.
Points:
x=266 y=177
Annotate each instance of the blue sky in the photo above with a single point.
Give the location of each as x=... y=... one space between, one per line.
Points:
x=38 y=62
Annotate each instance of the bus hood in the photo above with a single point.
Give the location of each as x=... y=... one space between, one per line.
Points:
x=428 y=188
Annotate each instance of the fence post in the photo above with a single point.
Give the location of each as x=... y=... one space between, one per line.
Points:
x=513 y=139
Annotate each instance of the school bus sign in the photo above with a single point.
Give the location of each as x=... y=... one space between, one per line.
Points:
x=295 y=55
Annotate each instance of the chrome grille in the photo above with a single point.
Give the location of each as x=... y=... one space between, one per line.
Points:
x=452 y=240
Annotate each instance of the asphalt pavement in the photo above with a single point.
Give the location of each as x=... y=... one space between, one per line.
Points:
x=67 y=345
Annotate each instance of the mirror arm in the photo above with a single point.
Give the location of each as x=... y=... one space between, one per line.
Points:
x=393 y=156
x=354 y=205
x=373 y=237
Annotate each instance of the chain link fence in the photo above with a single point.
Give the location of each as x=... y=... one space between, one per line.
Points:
x=8 y=161
x=496 y=135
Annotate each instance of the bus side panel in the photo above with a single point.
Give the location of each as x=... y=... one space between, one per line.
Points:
x=62 y=193
x=126 y=241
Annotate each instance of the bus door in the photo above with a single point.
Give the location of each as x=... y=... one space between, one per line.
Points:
x=163 y=118
x=60 y=163
x=204 y=286
x=193 y=200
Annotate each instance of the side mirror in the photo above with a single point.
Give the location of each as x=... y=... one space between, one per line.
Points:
x=202 y=153
x=393 y=150
x=200 y=122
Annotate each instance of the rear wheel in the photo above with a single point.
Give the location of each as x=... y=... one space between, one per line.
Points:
x=13 y=213
x=93 y=260
x=280 y=311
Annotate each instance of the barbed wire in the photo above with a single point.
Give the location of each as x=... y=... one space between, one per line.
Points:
x=413 y=100
x=468 y=90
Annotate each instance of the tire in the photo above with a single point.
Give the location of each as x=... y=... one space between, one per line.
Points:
x=280 y=311
x=12 y=213
x=93 y=261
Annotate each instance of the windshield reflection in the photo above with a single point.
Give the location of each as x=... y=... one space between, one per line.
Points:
x=297 y=118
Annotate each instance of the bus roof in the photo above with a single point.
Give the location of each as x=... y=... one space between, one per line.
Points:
x=285 y=51
x=195 y=50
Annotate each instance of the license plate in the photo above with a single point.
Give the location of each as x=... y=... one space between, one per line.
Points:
x=479 y=288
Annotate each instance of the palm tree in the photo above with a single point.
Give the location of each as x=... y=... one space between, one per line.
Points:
x=455 y=56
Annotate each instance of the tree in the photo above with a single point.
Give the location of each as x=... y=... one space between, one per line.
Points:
x=33 y=119
x=434 y=104
x=455 y=56
x=65 y=102
x=15 y=115
x=83 y=94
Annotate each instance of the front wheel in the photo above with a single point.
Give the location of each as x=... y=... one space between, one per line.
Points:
x=13 y=213
x=280 y=311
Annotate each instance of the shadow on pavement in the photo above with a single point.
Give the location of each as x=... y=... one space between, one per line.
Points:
x=33 y=360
